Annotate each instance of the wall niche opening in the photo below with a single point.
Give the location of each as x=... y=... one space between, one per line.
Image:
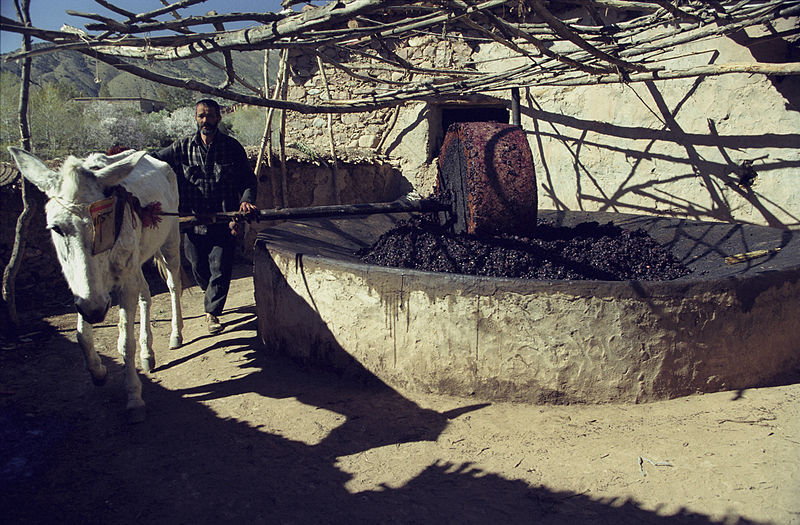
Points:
x=452 y=113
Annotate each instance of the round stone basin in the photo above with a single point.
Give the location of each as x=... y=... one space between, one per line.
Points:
x=724 y=326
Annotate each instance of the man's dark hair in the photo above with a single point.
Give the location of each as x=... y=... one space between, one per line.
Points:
x=210 y=103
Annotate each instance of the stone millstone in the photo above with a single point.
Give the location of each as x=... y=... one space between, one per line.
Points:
x=486 y=171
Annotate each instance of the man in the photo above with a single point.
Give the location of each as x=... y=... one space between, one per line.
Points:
x=214 y=175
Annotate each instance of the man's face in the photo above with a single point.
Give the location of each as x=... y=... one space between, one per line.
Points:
x=207 y=119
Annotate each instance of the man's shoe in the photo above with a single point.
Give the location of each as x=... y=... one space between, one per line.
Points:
x=214 y=326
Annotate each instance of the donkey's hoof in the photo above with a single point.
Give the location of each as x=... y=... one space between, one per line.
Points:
x=136 y=414
x=99 y=377
x=148 y=364
x=175 y=342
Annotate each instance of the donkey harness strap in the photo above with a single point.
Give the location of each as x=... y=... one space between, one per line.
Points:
x=150 y=214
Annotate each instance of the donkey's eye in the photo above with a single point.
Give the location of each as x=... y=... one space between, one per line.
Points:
x=57 y=229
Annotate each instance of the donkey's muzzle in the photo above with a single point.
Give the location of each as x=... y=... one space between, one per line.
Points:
x=90 y=312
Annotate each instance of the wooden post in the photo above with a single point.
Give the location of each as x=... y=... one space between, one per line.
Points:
x=17 y=252
x=515 y=118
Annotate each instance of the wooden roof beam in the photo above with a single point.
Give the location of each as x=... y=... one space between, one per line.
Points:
x=564 y=31
x=546 y=51
x=174 y=25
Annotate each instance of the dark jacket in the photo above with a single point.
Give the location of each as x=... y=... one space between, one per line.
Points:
x=210 y=179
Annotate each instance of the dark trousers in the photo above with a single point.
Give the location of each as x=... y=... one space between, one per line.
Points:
x=211 y=255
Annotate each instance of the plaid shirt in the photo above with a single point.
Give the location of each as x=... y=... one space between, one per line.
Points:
x=211 y=178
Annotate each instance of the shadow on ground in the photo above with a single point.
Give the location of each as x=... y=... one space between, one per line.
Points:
x=67 y=454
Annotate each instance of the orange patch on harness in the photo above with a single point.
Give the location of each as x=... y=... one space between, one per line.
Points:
x=103 y=227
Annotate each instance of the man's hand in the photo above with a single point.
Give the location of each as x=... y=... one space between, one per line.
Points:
x=249 y=211
x=236 y=227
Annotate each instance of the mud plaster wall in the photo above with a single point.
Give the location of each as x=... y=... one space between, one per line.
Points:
x=676 y=147
x=311 y=183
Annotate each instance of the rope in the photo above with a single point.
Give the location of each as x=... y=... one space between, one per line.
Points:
x=150 y=215
x=75 y=208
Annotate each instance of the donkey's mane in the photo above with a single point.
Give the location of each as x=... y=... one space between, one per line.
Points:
x=75 y=179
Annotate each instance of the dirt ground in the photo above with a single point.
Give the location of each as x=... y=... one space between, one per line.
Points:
x=235 y=434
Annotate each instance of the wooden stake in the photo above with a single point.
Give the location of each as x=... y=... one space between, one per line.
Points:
x=743 y=257
x=265 y=142
x=334 y=160
x=284 y=90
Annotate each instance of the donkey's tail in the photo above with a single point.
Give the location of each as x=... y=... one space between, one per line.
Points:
x=161 y=264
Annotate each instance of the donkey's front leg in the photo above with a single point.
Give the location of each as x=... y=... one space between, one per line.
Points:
x=96 y=368
x=145 y=331
x=127 y=347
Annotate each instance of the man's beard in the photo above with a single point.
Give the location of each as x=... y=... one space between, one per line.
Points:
x=208 y=129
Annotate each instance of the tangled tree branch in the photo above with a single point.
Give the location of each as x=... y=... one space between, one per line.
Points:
x=557 y=47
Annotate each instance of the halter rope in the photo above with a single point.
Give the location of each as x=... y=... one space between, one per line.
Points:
x=72 y=207
x=150 y=215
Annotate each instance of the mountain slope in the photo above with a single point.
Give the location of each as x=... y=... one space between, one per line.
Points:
x=93 y=78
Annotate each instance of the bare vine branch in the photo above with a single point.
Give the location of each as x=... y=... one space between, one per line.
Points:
x=373 y=36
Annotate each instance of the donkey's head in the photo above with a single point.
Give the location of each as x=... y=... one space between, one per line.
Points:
x=79 y=184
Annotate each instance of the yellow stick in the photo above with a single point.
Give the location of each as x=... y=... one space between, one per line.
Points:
x=742 y=257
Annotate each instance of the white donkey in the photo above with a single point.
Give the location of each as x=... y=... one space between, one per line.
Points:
x=91 y=276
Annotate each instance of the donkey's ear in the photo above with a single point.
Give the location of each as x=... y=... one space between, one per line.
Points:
x=112 y=175
x=35 y=171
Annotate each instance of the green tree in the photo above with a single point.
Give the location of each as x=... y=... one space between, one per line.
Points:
x=9 y=120
x=56 y=120
x=61 y=126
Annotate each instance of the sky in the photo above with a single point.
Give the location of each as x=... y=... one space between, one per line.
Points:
x=51 y=14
